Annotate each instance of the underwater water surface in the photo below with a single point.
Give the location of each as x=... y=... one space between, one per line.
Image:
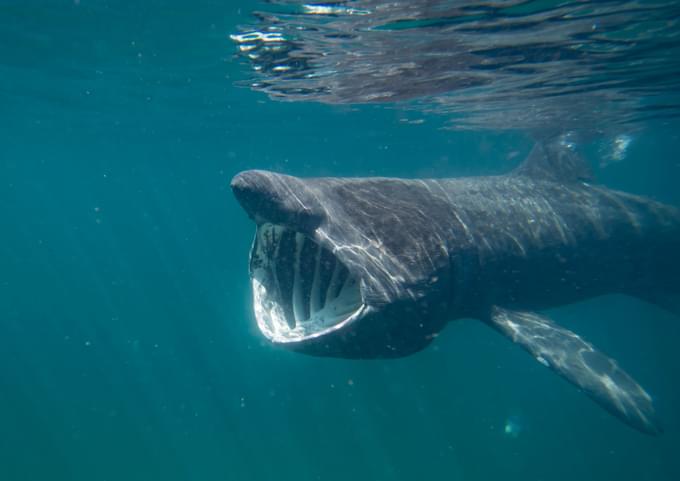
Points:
x=128 y=346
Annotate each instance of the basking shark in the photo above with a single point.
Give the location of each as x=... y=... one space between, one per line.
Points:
x=376 y=267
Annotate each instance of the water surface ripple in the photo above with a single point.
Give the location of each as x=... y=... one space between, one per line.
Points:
x=511 y=64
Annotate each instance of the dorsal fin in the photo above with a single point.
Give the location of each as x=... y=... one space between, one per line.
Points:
x=554 y=161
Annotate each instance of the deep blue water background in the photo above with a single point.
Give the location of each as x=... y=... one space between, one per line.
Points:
x=128 y=349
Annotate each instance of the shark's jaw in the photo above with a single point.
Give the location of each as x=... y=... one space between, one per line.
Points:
x=301 y=291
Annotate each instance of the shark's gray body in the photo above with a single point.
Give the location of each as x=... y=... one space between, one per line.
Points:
x=375 y=267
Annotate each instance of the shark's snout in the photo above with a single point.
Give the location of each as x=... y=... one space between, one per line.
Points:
x=254 y=191
x=277 y=199
x=251 y=183
x=241 y=183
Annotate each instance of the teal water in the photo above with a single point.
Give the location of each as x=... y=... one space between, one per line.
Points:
x=128 y=348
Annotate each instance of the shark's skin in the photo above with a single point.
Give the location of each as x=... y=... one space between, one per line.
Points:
x=497 y=248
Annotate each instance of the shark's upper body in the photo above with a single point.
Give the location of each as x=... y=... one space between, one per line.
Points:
x=375 y=267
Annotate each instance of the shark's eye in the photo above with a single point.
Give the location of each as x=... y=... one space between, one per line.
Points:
x=300 y=289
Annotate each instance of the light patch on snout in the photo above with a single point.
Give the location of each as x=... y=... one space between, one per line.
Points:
x=300 y=289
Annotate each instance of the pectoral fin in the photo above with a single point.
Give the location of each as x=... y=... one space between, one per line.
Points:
x=578 y=361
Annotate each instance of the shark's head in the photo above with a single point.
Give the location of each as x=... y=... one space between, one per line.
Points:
x=338 y=269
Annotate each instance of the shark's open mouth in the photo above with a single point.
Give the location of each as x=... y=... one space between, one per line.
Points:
x=300 y=289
